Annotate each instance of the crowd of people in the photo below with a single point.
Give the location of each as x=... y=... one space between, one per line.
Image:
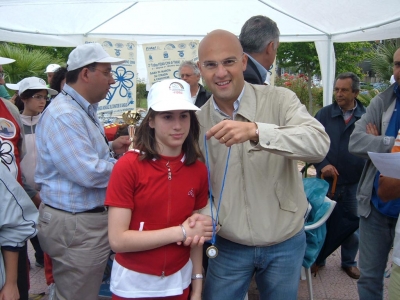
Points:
x=211 y=190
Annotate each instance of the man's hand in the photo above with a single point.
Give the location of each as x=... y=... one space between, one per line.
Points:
x=371 y=129
x=36 y=200
x=198 y=229
x=329 y=171
x=121 y=144
x=230 y=132
x=9 y=292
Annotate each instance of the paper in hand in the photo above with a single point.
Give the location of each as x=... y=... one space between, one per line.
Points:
x=387 y=163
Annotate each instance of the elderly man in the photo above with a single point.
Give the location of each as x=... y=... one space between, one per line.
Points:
x=338 y=119
x=259 y=38
x=190 y=73
x=262 y=208
x=376 y=131
x=74 y=164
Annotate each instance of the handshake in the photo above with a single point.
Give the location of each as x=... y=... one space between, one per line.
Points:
x=196 y=230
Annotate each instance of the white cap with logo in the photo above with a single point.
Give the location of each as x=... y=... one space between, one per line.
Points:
x=33 y=83
x=52 y=68
x=170 y=94
x=87 y=54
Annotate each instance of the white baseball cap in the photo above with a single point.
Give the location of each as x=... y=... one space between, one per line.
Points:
x=13 y=86
x=170 y=94
x=52 y=68
x=6 y=61
x=34 y=83
x=87 y=54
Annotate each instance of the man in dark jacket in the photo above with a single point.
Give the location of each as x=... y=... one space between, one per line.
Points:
x=189 y=72
x=259 y=38
x=338 y=119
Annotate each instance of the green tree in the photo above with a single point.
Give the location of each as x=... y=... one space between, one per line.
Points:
x=27 y=62
x=304 y=58
x=382 y=58
x=350 y=55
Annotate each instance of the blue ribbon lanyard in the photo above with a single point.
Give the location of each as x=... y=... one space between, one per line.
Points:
x=215 y=221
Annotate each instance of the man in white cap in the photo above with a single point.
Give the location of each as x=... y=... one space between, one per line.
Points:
x=3 y=92
x=50 y=71
x=74 y=164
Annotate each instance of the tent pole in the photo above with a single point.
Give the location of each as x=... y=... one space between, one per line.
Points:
x=329 y=83
x=110 y=18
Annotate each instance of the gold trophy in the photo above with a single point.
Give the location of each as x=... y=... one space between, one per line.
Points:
x=131 y=118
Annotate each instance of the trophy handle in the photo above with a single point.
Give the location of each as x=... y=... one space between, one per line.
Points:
x=131 y=132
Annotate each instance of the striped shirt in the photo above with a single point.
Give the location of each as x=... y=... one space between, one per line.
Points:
x=74 y=163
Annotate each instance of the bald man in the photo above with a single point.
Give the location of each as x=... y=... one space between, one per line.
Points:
x=263 y=203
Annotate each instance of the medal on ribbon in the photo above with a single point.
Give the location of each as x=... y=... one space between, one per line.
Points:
x=212 y=251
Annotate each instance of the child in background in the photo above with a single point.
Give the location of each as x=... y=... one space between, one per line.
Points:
x=153 y=191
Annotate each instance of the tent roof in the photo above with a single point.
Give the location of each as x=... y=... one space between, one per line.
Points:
x=67 y=22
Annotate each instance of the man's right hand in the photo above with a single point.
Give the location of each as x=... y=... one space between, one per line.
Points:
x=329 y=171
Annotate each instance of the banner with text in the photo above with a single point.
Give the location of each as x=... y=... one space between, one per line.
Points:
x=163 y=59
x=122 y=94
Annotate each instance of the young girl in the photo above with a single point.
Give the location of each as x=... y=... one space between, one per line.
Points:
x=152 y=192
x=34 y=95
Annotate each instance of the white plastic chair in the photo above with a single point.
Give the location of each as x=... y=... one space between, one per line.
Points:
x=310 y=227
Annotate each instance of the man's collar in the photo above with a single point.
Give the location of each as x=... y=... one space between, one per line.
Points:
x=260 y=68
x=78 y=98
x=236 y=105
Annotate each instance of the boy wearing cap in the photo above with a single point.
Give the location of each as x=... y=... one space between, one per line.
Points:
x=73 y=168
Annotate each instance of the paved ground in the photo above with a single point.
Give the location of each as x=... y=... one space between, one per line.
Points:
x=331 y=283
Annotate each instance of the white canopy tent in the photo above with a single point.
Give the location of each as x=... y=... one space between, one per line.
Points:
x=68 y=22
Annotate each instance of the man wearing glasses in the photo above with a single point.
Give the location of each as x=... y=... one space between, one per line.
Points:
x=3 y=92
x=189 y=72
x=259 y=38
x=74 y=164
x=265 y=130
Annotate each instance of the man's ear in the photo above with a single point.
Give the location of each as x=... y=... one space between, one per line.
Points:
x=270 y=48
x=244 y=61
x=84 y=74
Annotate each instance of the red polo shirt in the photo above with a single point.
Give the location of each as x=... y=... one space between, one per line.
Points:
x=157 y=202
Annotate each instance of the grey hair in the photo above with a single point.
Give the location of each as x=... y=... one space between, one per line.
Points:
x=257 y=33
x=191 y=64
x=355 y=80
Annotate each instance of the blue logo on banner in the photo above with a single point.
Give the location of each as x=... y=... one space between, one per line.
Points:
x=176 y=74
x=107 y=44
x=130 y=46
x=169 y=47
x=123 y=84
x=192 y=45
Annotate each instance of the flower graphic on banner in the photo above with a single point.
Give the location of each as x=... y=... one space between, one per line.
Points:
x=123 y=83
